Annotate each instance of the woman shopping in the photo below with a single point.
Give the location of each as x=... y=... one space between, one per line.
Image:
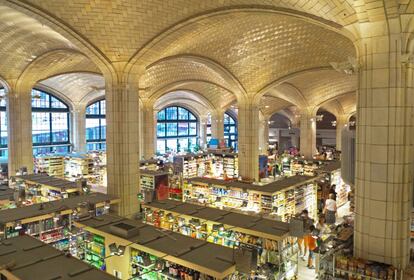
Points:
x=330 y=210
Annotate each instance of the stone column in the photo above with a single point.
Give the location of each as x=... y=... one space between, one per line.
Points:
x=122 y=142
x=307 y=133
x=203 y=132
x=149 y=124
x=248 y=128
x=217 y=124
x=341 y=123
x=384 y=156
x=19 y=115
x=264 y=134
x=78 y=128
x=294 y=139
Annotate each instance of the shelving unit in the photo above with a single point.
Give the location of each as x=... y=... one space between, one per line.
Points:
x=230 y=229
x=52 y=165
x=78 y=166
x=153 y=184
x=284 y=198
x=95 y=250
x=149 y=253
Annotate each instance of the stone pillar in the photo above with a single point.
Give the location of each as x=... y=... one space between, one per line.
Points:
x=294 y=138
x=122 y=142
x=307 y=133
x=264 y=134
x=384 y=155
x=203 y=132
x=217 y=124
x=78 y=128
x=149 y=125
x=341 y=123
x=19 y=115
x=248 y=128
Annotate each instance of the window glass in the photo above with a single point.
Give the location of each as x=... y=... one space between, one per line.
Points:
x=230 y=131
x=193 y=129
x=182 y=129
x=93 y=109
x=41 y=127
x=40 y=99
x=171 y=113
x=171 y=129
x=182 y=114
x=92 y=129
x=160 y=129
x=175 y=125
x=60 y=130
x=50 y=124
x=96 y=126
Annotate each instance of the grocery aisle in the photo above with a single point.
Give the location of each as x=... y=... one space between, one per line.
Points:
x=304 y=272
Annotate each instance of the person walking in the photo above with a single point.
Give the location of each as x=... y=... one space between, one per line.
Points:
x=311 y=241
x=330 y=210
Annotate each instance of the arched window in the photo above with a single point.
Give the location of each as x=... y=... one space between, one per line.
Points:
x=3 y=125
x=50 y=124
x=230 y=131
x=96 y=126
x=177 y=130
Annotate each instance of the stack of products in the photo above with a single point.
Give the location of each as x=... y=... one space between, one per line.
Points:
x=77 y=166
x=354 y=269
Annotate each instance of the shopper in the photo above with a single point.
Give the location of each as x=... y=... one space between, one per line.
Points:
x=311 y=241
x=333 y=190
x=307 y=223
x=330 y=210
x=321 y=226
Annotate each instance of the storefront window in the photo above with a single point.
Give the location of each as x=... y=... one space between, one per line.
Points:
x=50 y=124
x=177 y=130
x=96 y=126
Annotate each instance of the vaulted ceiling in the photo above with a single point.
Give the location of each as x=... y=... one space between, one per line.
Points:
x=279 y=51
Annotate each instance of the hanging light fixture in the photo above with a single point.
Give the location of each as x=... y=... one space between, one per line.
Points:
x=319 y=118
x=333 y=123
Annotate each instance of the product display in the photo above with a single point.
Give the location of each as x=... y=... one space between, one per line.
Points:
x=284 y=198
x=78 y=166
x=50 y=164
x=37 y=188
x=140 y=251
x=153 y=185
x=275 y=249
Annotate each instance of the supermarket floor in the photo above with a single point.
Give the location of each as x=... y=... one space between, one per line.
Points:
x=305 y=273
